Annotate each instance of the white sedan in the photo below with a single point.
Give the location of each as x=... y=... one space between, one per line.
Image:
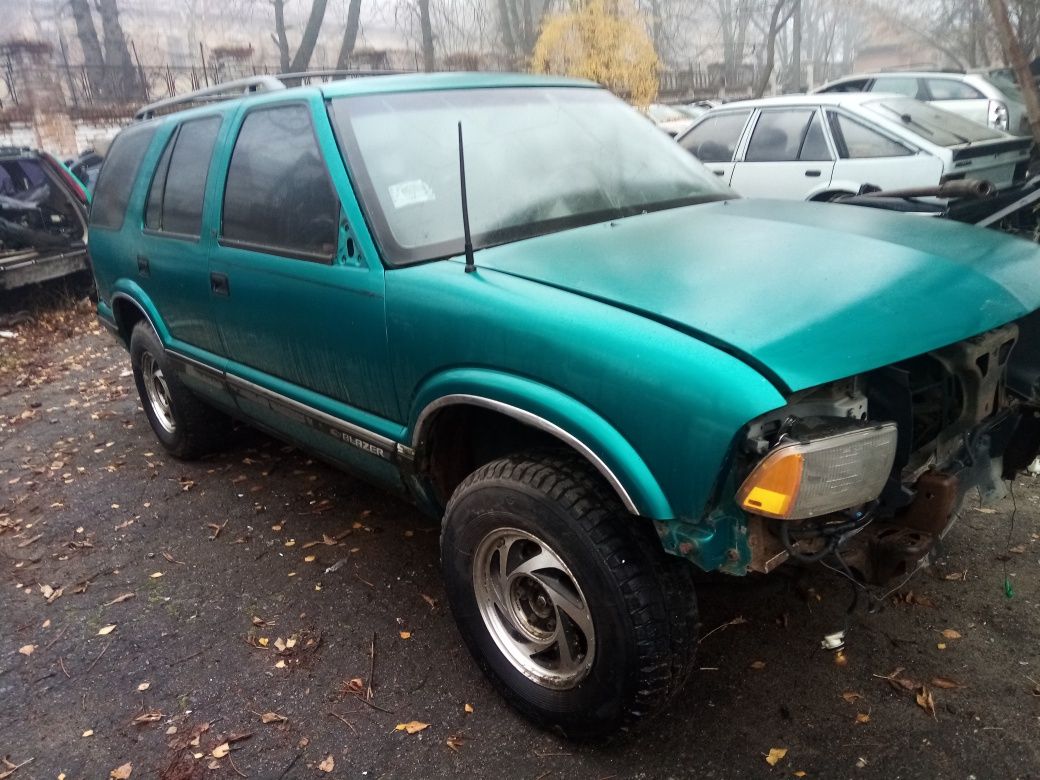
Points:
x=819 y=147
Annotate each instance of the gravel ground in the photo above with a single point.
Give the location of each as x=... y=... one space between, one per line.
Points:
x=152 y=612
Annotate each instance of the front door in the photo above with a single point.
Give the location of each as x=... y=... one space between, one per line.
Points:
x=300 y=306
x=786 y=157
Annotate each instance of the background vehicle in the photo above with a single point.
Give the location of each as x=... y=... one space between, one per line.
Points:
x=43 y=219
x=981 y=97
x=599 y=377
x=671 y=119
x=816 y=147
x=86 y=168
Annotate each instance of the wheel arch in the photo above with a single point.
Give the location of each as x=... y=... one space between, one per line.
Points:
x=128 y=309
x=500 y=412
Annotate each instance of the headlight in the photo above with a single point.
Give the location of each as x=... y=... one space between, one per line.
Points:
x=818 y=476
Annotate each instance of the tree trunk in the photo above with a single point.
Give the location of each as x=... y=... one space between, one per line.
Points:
x=794 y=76
x=281 y=40
x=1013 y=51
x=349 y=34
x=775 y=24
x=86 y=32
x=310 y=37
x=426 y=30
x=506 y=28
x=122 y=78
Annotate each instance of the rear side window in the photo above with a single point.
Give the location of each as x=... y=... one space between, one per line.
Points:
x=949 y=89
x=854 y=85
x=179 y=186
x=856 y=141
x=901 y=85
x=788 y=135
x=117 y=177
x=278 y=197
x=715 y=139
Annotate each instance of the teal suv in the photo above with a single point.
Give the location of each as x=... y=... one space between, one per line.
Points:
x=628 y=374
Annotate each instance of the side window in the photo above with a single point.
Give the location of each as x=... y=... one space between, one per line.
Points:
x=779 y=135
x=185 y=187
x=117 y=177
x=853 y=85
x=900 y=85
x=856 y=141
x=715 y=139
x=153 y=209
x=278 y=197
x=814 y=147
x=950 y=89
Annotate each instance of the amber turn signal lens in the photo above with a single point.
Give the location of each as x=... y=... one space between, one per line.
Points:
x=775 y=488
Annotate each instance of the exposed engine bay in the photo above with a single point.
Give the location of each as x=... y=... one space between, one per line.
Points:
x=899 y=447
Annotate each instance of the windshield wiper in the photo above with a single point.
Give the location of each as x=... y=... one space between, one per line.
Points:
x=907 y=119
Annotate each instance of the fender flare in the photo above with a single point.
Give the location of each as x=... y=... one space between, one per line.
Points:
x=135 y=296
x=552 y=412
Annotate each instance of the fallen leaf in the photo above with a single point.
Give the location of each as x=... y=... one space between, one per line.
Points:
x=280 y=664
x=155 y=575
x=328 y=764
x=144 y=686
x=405 y=634
x=221 y=750
x=263 y=641
x=774 y=755
x=412 y=727
x=106 y=630
x=1018 y=549
x=122 y=772
x=454 y=742
x=272 y=717
x=851 y=696
x=949 y=633
x=429 y=600
x=840 y=659
x=799 y=773
x=862 y=717
x=941 y=646
x=239 y=736
x=310 y=559
x=88 y=733
x=925 y=701
x=758 y=665
x=946 y=683
x=148 y=717
x=118 y=599
x=468 y=708
x=27 y=649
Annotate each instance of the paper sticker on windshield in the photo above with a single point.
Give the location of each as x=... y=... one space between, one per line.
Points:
x=408 y=193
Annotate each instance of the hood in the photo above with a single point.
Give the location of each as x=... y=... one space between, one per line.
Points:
x=804 y=292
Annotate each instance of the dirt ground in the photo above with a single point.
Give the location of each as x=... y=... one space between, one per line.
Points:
x=152 y=612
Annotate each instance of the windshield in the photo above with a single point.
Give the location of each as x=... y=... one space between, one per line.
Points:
x=662 y=113
x=938 y=126
x=538 y=160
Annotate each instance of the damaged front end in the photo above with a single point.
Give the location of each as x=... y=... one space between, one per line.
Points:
x=874 y=468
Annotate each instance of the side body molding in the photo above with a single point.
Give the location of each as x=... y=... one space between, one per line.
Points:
x=555 y=413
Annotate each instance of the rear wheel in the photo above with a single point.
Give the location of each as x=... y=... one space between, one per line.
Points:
x=567 y=602
x=185 y=425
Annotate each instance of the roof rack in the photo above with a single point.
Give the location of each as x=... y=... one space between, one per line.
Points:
x=330 y=75
x=226 y=91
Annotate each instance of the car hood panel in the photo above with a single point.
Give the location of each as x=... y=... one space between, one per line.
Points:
x=806 y=293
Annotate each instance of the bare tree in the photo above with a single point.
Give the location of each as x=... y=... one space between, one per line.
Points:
x=310 y=37
x=426 y=33
x=90 y=44
x=281 y=39
x=1016 y=55
x=350 y=32
x=780 y=15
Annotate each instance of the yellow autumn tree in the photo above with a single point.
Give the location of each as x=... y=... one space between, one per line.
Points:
x=602 y=40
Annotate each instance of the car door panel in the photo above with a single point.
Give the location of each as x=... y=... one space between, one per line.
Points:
x=773 y=164
x=868 y=156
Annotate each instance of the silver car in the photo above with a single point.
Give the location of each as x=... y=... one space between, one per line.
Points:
x=992 y=98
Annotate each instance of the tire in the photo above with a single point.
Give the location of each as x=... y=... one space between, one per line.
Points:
x=577 y=570
x=185 y=426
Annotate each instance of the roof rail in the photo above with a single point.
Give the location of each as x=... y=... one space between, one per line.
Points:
x=225 y=91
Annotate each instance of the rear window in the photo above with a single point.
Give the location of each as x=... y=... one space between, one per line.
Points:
x=931 y=123
x=117 y=177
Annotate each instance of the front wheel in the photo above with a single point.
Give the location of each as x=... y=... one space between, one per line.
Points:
x=568 y=603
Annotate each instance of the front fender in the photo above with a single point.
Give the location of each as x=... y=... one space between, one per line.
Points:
x=557 y=414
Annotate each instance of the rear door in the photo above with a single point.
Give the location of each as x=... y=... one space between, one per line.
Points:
x=300 y=309
x=714 y=141
x=867 y=155
x=173 y=258
x=787 y=156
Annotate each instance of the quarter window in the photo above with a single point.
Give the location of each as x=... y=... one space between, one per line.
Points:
x=278 y=196
x=900 y=85
x=856 y=141
x=117 y=177
x=715 y=139
x=853 y=85
x=788 y=135
x=949 y=89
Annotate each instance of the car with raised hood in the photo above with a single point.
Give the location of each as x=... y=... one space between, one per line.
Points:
x=514 y=300
x=823 y=147
x=43 y=219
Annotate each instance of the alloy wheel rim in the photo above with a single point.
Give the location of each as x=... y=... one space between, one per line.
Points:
x=158 y=392
x=534 y=608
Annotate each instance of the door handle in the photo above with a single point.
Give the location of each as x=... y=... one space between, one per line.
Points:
x=218 y=284
x=143 y=269
x=812 y=174
x=719 y=173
